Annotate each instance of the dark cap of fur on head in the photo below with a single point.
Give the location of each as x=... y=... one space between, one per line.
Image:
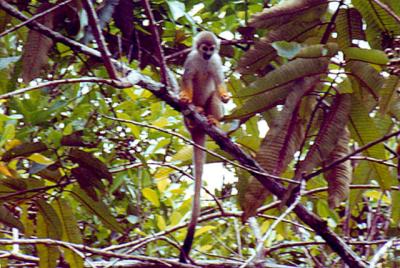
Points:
x=206 y=37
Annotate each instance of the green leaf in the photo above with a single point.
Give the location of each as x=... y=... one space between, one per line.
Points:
x=373 y=56
x=331 y=129
x=97 y=208
x=161 y=223
x=349 y=26
x=285 y=49
x=71 y=232
x=262 y=53
x=389 y=95
x=152 y=196
x=287 y=73
x=177 y=9
x=8 y=134
x=364 y=131
x=48 y=226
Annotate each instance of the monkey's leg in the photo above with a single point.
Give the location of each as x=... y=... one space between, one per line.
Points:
x=214 y=109
x=186 y=94
x=199 y=158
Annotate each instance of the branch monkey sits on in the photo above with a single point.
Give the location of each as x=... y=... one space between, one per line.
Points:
x=203 y=85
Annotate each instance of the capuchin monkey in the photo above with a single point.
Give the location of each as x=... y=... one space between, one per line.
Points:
x=202 y=85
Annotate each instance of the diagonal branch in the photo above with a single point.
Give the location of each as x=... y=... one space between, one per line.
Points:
x=156 y=37
x=98 y=35
x=320 y=226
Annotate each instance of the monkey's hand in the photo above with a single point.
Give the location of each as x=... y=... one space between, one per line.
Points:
x=185 y=96
x=223 y=94
x=212 y=120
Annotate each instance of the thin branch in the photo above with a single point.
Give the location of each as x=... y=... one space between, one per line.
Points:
x=156 y=38
x=35 y=17
x=371 y=159
x=100 y=252
x=98 y=35
x=113 y=83
x=347 y=157
x=355 y=186
x=260 y=245
x=316 y=243
x=378 y=255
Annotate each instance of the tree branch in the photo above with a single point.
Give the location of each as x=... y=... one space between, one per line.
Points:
x=114 y=83
x=98 y=35
x=156 y=38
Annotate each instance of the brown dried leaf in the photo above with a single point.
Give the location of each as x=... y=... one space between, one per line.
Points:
x=278 y=147
x=339 y=177
x=35 y=55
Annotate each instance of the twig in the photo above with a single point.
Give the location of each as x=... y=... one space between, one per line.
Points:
x=35 y=17
x=378 y=255
x=156 y=37
x=355 y=186
x=98 y=35
x=114 y=83
x=347 y=157
x=83 y=248
x=316 y=243
x=371 y=159
x=260 y=245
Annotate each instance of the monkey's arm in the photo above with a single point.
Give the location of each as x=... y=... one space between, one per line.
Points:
x=219 y=80
x=186 y=93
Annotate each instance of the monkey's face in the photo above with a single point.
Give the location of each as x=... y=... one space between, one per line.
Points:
x=207 y=50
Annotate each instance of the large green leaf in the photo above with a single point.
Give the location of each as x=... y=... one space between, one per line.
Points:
x=97 y=208
x=331 y=129
x=378 y=21
x=278 y=147
x=48 y=226
x=260 y=55
x=287 y=11
x=389 y=94
x=71 y=231
x=373 y=56
x=287 y=73
x=364 y=131
x=349 y=27
x=367 y=76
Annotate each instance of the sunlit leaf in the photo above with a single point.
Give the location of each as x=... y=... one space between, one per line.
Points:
x=152 y=196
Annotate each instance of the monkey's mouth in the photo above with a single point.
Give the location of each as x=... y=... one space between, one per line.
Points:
x=206 y=56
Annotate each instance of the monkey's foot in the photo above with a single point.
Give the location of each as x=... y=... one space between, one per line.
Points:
x=185 y=97
x=223 y=93
x=200 y=109
x=212 y=120
x=225 y=97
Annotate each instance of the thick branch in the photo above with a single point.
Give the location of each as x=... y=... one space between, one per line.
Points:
x=316 y=223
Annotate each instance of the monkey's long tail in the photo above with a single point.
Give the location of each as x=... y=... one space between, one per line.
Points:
x=199 y=159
